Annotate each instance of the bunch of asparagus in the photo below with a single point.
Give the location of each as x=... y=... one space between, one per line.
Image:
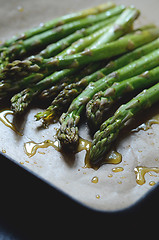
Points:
x=83 y=61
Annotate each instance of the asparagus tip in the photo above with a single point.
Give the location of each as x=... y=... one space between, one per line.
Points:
x=68 y=133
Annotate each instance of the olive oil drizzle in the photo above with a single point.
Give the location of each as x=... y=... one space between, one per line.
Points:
x=140 y=172
x=31 y=148
x=3 y=118
x=147 y=125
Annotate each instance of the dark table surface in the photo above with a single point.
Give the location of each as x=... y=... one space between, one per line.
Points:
x=32 y=209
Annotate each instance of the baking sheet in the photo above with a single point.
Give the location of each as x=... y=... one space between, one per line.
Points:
x=108 y=190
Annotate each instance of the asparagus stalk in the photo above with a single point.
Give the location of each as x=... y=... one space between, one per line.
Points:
x=123 y=23
x=135 y=40
x=110 y=129
x=68 y=132
x=52 y=92
x=58 y=22
x=55 y=48
x=120 y=46
x=30 y=92
x=98 y=106
x=110 y=33
x=123 y=45
x=59 y=103
x=20 y=101
x=120 y=27
x=7 y=87
x=18 y=68
x=41 y=40
x=69 y=92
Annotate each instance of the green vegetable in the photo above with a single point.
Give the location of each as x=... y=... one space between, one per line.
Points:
x=110 y=129
x=101 y=103
x=68 y=133
x=72 y=90
x=59 y=21
x=41 y=40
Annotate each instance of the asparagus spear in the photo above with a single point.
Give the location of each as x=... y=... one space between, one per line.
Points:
x=7 y=87
x=41 y=40
x=52 y=92
x=17 y=68
x=69 y=92
x=68 y=132
x=120 y=46
x=55 y=48
x=110 y=129
x=98 y=106
x=30 y=92
x=120 y=26
x=123 y=45
x=21 y=100
x=114 y=31
x=59 y=103
x=58 y=22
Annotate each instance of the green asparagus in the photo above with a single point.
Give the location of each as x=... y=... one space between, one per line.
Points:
x=60 y=103
x=104 y=35
x=69 y=92
x=53 y=91
x=28 y=94
x=120 y=46
x=68 y=132
x=123 y=45
x=120 y=27
x=110 y=129
x=20 y=101
x=123 y=23
x=101 y=103
x=55 y=48
x=58 y=22
x=18 y=68
x=41 y=40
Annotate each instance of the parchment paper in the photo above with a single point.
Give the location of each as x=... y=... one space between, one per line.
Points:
x=114 y=190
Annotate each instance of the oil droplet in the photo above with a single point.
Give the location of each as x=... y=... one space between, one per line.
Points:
x=141 y=171
x=98 y=196
x=117 y=169
x=4 y=120
x=152 y=183
x=94 y=180
x=147 y=125
x=113 y=157
x=120 y=182
x=83 y=145
x=110 y=175
x=32 y=147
